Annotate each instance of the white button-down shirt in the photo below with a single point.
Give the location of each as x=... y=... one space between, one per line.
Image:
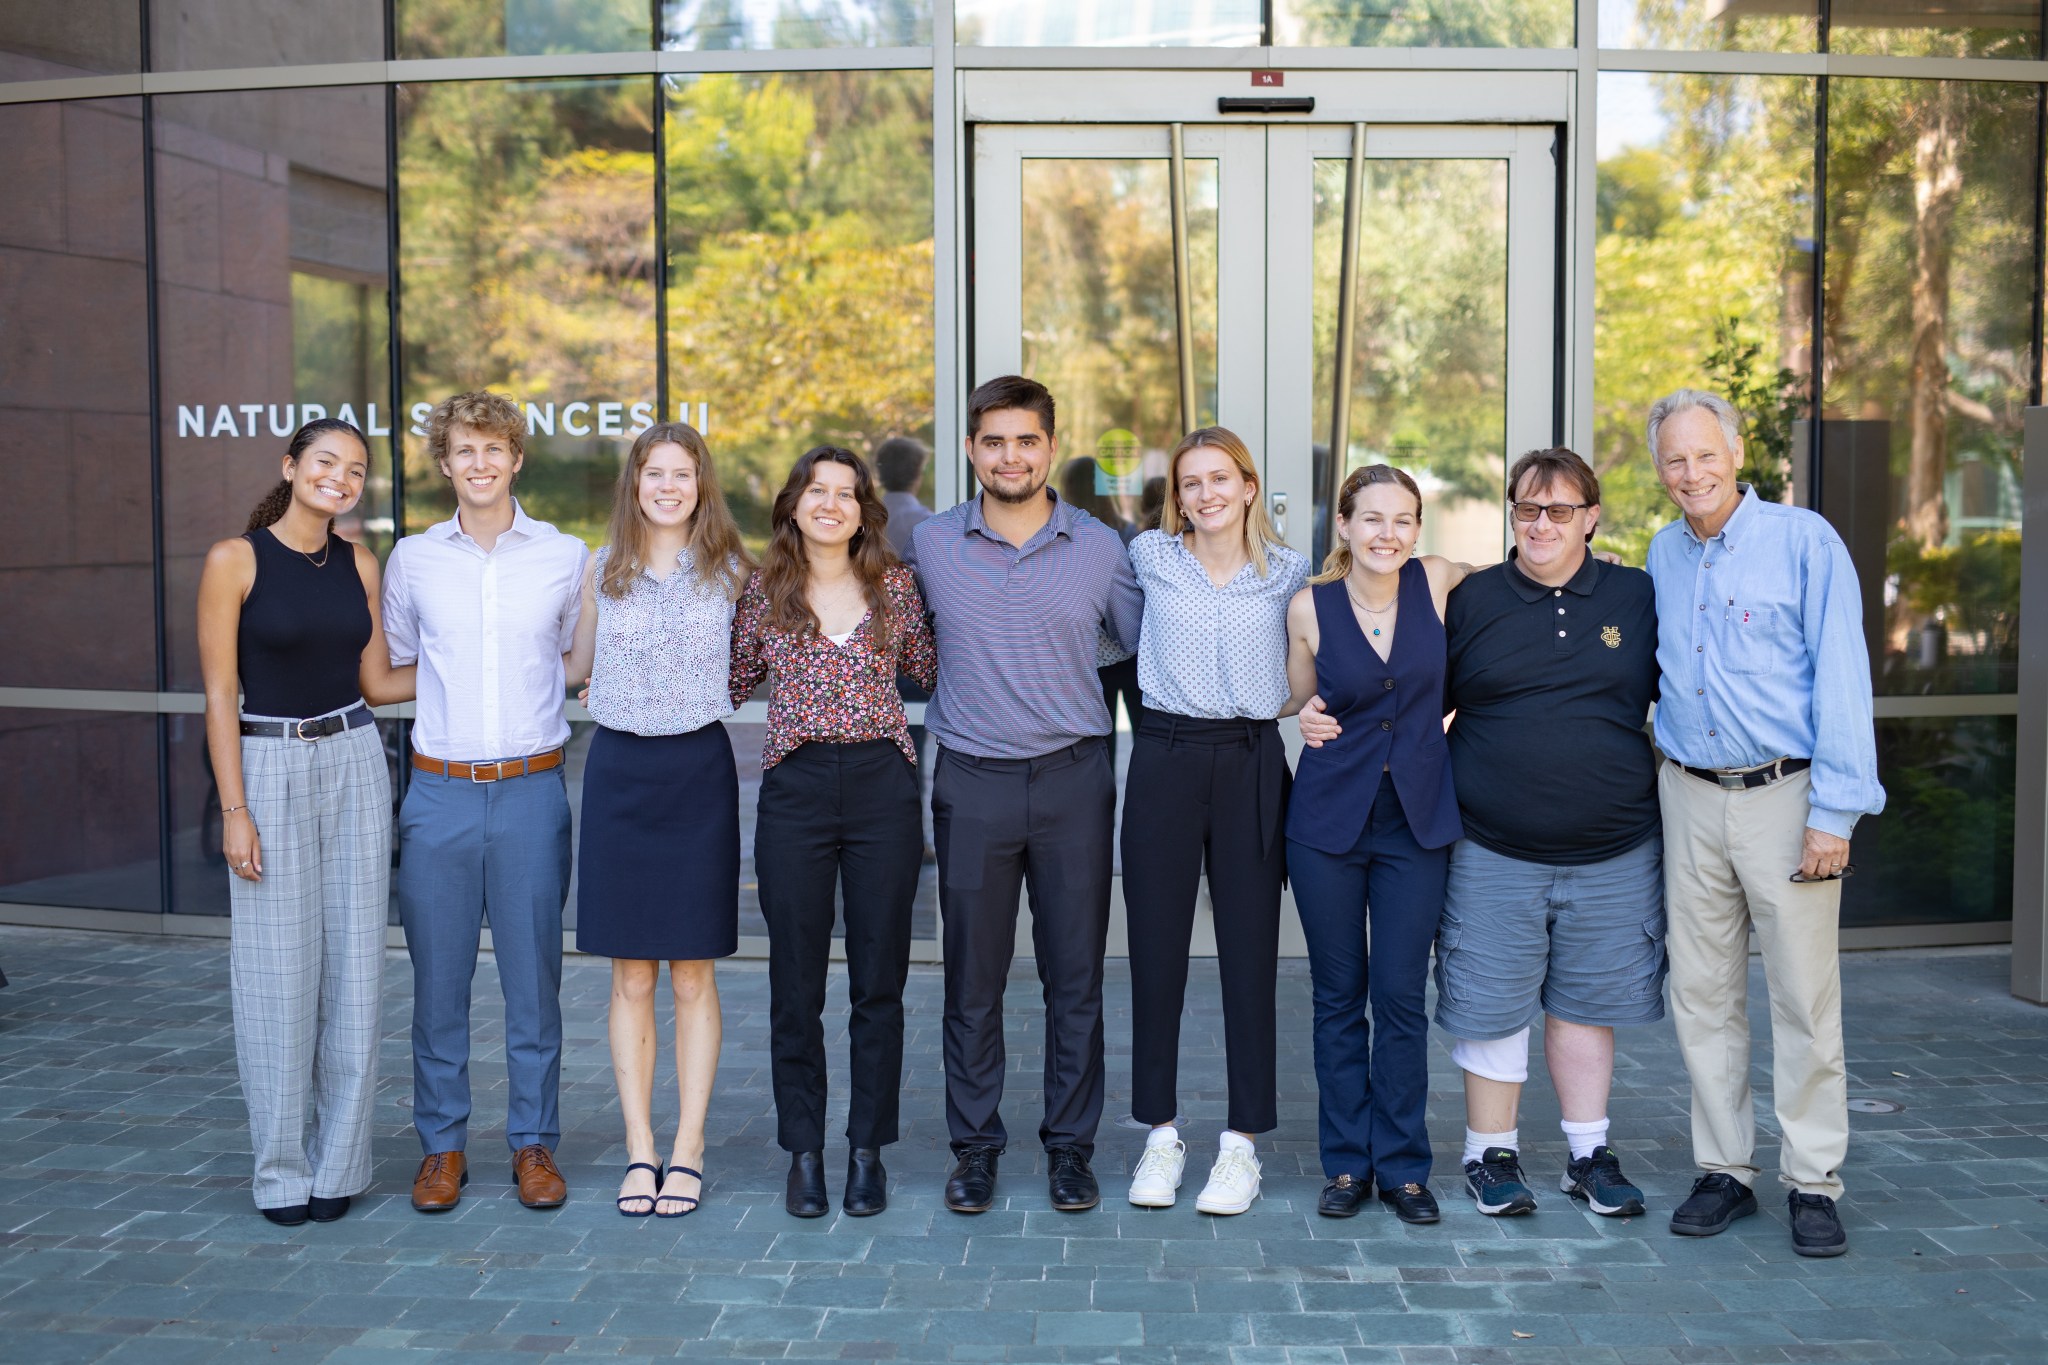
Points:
x=488 y=630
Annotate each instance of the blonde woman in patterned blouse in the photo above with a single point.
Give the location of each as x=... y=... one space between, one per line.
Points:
x=658 y=871
x=832 y=617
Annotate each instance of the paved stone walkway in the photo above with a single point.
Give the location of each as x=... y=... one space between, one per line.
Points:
x=126 y=1231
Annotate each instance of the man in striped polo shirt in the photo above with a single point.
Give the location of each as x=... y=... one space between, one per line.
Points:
x=1022 y=589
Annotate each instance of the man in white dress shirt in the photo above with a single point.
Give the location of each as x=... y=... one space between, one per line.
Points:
x=486 y=603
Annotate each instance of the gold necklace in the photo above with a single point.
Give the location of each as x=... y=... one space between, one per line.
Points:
x=325 y=549
x=1375 y=615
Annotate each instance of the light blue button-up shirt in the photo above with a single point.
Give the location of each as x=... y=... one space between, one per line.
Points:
x=1761 y=654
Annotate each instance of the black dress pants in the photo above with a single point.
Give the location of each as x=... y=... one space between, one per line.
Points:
x=844 y=813
x=1204 y=792
x=1002 y=824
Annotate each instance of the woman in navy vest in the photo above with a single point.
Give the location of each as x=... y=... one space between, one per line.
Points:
x=1369 y=833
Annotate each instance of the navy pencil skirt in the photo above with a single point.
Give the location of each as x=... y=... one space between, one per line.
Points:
x=658 y=864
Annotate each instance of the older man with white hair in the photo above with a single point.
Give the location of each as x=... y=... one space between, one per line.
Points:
x=1764 y=714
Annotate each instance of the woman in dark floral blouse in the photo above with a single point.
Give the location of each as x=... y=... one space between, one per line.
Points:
x=832 y=617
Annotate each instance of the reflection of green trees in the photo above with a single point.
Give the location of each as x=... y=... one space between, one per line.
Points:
x=1711 y=223
x=800 y=287
x=1428 y=389
x=465 y=28
x=527 y=264
x=1942 y=849
x=1428 y=23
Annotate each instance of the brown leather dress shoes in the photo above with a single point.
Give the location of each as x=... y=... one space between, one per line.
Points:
x=540 y=1183
x=438 y=1186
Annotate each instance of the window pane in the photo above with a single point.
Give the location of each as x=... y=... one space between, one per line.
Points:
x=1092 y=23
x=1703 y=273
x=527 y=266
x=77 y=586
x=1898 y=28
x=1423 y=23
x=48 y=42
x=199 y=35
x=521 y=28
x=1941 y=852
x=800 y=268
x=89 y=839
x=1429 y=384
x=1712 y=25
x=1930 y=275
x=715 y=25
x=272 y=310
x=1098 y=322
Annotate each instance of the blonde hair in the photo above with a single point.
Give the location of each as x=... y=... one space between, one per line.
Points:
x=716 y=551
x=1338 y=562
x=1259 y=535
x=491 y=413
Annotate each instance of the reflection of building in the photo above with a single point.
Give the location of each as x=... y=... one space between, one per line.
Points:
x=564 y=202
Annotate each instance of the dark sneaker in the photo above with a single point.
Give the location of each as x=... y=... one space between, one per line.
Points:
x=1717 y=1200
x=1597 y=1179
x=972 y=1186
x=1411 y=1203
x=1496 y=1185
x=1816 y=1227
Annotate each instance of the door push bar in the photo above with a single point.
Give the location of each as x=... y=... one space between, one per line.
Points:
x=1265 y=104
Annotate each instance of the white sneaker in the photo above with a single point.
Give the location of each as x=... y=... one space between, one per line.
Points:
x=1233 y=1183
x=1158 y=1174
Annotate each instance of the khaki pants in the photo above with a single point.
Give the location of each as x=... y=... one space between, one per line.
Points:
x=1728 y=856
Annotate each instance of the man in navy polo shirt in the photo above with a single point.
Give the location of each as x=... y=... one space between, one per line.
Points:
x=1555 y=902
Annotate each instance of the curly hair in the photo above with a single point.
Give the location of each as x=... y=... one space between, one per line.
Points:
x=490 y=413
x=785 y=566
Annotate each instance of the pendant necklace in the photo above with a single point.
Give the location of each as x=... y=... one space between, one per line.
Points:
x=325 y=550
x=1375 y=615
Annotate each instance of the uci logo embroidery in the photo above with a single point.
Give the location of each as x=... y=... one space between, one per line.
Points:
x=1611 y=636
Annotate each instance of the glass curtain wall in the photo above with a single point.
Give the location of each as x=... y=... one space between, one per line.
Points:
x=1856 y=258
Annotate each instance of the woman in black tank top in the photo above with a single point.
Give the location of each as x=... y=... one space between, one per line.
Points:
x=291 y=650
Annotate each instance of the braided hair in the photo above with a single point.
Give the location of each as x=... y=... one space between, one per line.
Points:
x=279 y=499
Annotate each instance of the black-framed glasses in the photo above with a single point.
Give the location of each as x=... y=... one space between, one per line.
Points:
x=1559 y=512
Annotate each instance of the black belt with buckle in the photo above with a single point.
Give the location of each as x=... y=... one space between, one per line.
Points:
x=355 y=717
x=1750 y=778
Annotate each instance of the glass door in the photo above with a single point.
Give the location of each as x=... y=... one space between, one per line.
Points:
x=1146 y=317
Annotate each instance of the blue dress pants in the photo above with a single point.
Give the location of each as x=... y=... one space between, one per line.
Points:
x=1372 y=1077
x=470 y=852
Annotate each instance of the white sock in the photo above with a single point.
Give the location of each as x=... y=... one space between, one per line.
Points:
x=1584 y=1137
x=1236 y=1142
x=1164 y=1136
x=1477 y=1143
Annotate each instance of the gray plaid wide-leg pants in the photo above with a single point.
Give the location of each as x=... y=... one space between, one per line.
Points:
x=307 y=960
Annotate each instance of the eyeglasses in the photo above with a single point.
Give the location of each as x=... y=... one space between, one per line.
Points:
x=1560 y=512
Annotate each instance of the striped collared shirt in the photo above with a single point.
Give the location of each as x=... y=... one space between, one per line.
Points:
x=1018 y=628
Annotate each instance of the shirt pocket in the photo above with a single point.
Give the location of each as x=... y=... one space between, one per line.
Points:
x=1750 y=640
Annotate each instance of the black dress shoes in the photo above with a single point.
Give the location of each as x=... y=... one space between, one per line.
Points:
x=1411 y=1203
x=290 y=1216
x=1342 y=1196
x=326 y=1210
x=804 y=1196
x=972 y=1186
x=867 y=1184
x=1070 y=1182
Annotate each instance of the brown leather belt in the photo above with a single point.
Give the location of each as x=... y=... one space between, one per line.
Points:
x=489 y=772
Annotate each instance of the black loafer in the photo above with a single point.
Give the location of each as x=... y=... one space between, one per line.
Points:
x=804 y=1195
x=1816 y=1227
x=1411 y=1203
x=1717 y=1199
x=1070 y=1182
x=1342 y=1196
x=290 y=1216
x=972 y=1186
x=326 y=1210
x=867 y=1184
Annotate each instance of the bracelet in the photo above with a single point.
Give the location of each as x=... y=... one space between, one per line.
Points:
x=230 y=810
